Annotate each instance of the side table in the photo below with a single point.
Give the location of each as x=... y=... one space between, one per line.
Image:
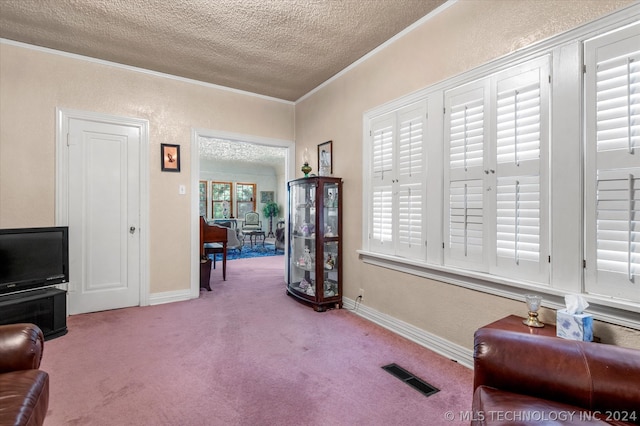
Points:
x=514 y=323
x=253 y=237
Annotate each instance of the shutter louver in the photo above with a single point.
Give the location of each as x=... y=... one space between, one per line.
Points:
x=410 y=215
x=518 y=124
x=411 y=147
x=518 y=218
x=466 y=218
x=618 y=104
x=618 y=222
x=466 y=133
x=382 y=214
x=382 y=150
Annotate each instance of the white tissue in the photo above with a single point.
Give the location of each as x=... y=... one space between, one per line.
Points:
x=575 y=304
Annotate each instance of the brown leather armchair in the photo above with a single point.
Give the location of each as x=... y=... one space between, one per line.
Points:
x=520 y=378
x=24 y=389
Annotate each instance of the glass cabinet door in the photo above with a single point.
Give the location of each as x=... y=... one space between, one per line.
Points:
x=302 y=253
x=331 y=239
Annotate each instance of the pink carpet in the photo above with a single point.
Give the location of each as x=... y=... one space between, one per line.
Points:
x=243 y=354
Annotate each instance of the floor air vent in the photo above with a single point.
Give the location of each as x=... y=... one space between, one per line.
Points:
x=415 y=382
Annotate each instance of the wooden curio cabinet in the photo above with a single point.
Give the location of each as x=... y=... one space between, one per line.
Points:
x=315 y=241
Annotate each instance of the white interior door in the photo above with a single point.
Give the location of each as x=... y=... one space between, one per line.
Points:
x=103 y=215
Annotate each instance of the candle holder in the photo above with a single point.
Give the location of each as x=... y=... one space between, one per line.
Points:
x=533 y=304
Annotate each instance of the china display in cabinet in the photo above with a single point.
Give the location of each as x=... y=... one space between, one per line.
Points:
x=315 y=241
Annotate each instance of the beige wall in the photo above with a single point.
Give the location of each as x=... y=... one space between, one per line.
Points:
x=34 y=83
x=466 y=35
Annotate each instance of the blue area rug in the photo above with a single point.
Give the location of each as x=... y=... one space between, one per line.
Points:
x=247 y=252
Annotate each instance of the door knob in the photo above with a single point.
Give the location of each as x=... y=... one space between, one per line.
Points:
x=132 y=230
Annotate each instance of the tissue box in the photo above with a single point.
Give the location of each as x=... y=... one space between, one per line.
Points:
x=574 y=326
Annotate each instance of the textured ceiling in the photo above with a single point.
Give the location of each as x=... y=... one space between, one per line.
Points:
x=277 y=48
x=242 y=152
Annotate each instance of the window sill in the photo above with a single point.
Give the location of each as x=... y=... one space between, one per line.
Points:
x=603 y=309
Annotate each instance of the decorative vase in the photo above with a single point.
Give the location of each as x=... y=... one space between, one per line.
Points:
x=306 y=168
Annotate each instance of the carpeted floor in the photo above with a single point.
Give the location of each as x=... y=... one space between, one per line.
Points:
x=244 y=354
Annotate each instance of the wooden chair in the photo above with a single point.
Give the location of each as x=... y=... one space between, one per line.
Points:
x=213 y=239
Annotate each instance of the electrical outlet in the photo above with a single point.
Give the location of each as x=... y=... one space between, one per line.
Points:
x=361 y=294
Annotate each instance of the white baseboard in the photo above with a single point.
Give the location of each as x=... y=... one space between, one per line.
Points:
x=169 y=297
x=430 y=341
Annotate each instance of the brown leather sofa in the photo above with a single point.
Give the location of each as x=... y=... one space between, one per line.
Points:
x=24 y=389
x=522 y=378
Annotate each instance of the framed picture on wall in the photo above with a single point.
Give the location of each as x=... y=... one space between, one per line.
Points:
x=170 y=157
x=325 y=159
x=266 y=196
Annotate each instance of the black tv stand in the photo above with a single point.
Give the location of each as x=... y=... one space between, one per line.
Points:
x=45 y=307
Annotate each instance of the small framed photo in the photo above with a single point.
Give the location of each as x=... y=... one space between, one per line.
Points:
x=170 y=157
x=325 y=159
x=266 y=196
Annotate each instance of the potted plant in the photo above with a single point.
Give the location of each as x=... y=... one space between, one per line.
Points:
x=270 y=210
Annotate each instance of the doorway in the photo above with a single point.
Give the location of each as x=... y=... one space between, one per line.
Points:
x=101 y=195
x=242 y=140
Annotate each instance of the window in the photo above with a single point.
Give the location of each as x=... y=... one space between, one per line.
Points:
x=245 y=198
x=514 y=136
x=221 y=200
x=612 y=64
x=496 y=133
x=203 y=184
x=398 y=182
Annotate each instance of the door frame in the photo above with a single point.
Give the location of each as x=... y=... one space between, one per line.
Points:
x=63 y=116
x=196 y=134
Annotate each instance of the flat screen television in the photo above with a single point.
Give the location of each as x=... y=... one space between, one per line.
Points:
x=33 y=257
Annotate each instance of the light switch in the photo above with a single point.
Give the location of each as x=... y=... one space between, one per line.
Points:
x=182 y=190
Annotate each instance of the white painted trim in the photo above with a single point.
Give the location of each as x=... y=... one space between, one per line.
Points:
x=602 y=308
x=169 y=297
x=383 y=46
x=139 y=70
x=423 y=338
x=196 y=134
x=63 y=115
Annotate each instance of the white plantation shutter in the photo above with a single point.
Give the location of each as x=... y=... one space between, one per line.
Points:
x=518 y=219
x=410 y=183
x=465 y=132
x=613 y=164
x=411 y=145
x=466 y=219
x=382 y=208
x=410 y=217
x=518 y=124
x=381 y=219
x=618 y=104
x=383 y=149
x=618 y=222
x=521 y=123
x=398 y=170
